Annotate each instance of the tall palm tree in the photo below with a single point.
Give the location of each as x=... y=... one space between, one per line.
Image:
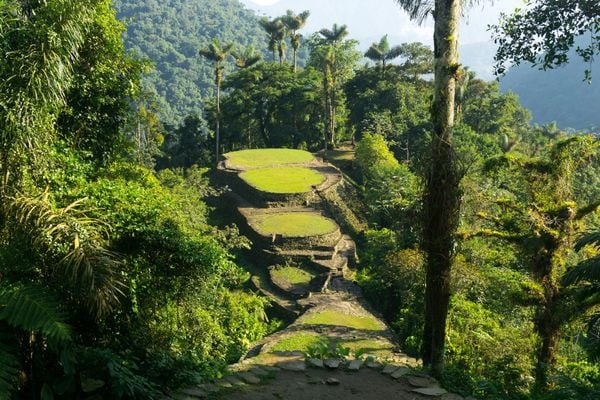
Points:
x=381 y=53
x=442 y=193
x=217 y=53
x=333 y=37
x=294 y=23
x=246 y=58
x=276 y=32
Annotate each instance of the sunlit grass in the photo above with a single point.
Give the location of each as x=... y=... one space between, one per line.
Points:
x=292 y=275
x=302 y=341
x=331 y=317
x=297 y=342
x=283 y=179
x=260 y=158
x=293 y=224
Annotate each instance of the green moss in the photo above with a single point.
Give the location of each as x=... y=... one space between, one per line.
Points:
x=302 y=341
x=293 y=275
x=330 y=317
x=293 y=224
x=250 y=159
x=283 y=179
x=369 y=346
x=297 y=342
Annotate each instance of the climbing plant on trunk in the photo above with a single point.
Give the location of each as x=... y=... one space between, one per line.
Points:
x=441 y=202
x=539 y=212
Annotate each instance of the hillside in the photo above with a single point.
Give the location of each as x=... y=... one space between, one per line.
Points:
x=558 y=95
x=170 y=33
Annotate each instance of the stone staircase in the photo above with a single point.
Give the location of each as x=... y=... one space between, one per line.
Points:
x=329 y=259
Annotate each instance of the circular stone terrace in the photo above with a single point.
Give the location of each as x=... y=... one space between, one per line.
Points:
x=293 y=224
x=244 y=160
x=283 y=179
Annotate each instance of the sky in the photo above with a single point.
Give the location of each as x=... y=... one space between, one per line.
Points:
x=379 y=17
x=369 y=20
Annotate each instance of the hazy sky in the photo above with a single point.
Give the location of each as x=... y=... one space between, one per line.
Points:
x=372 y=18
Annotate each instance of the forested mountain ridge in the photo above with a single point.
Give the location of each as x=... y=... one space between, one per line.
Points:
x=170 y=33
x=557 y=95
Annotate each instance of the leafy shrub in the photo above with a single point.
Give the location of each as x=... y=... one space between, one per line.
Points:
x=394 y=281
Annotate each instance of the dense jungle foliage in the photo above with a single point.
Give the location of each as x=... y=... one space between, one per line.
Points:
x=170 y=35
x=114 y=280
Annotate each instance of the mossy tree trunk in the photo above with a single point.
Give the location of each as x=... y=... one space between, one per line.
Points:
x=442 y=193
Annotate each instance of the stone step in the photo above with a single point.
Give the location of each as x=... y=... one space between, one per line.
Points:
x=267 y=289
x=337 y=264
x=303 y=253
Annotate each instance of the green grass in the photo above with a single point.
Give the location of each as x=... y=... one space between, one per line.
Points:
x=292 y=275
x=302 y=341
x=260 y=158
x=297 y=342
x=369 y=345
x=293 y=224
x=340 y=155
x=330 y=317
x=283 y=179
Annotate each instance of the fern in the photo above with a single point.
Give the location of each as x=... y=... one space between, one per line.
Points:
x=32 y=309
x=591 y=238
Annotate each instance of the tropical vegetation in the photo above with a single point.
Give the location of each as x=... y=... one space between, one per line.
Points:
x=121 y=277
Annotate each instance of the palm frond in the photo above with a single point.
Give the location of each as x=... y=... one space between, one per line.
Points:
x=418 y=10
x=588 y=270
x=590 y=238
x=38 y=58
x=374 y=54
x=384 y=44
x=336 y=34
x=394 y=52
x=76 y=243
x=32 y=309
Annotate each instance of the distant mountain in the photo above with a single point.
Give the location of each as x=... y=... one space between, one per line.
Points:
x=170 y=33
x=558 y=95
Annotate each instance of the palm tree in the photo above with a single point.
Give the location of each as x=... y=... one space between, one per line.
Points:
x=217 y=54
x=381 y=52
x=441 y=201
x=333 y=38
x=276 y=31
x=335 y=35
x=246 y=58
x=294 y=23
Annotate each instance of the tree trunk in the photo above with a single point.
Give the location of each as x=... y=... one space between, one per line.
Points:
x=281 y=54
x=547 y=321
x=217 y=132
x=295 y=51
x=442 y=193
x=326 y=114
x=549 y=334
